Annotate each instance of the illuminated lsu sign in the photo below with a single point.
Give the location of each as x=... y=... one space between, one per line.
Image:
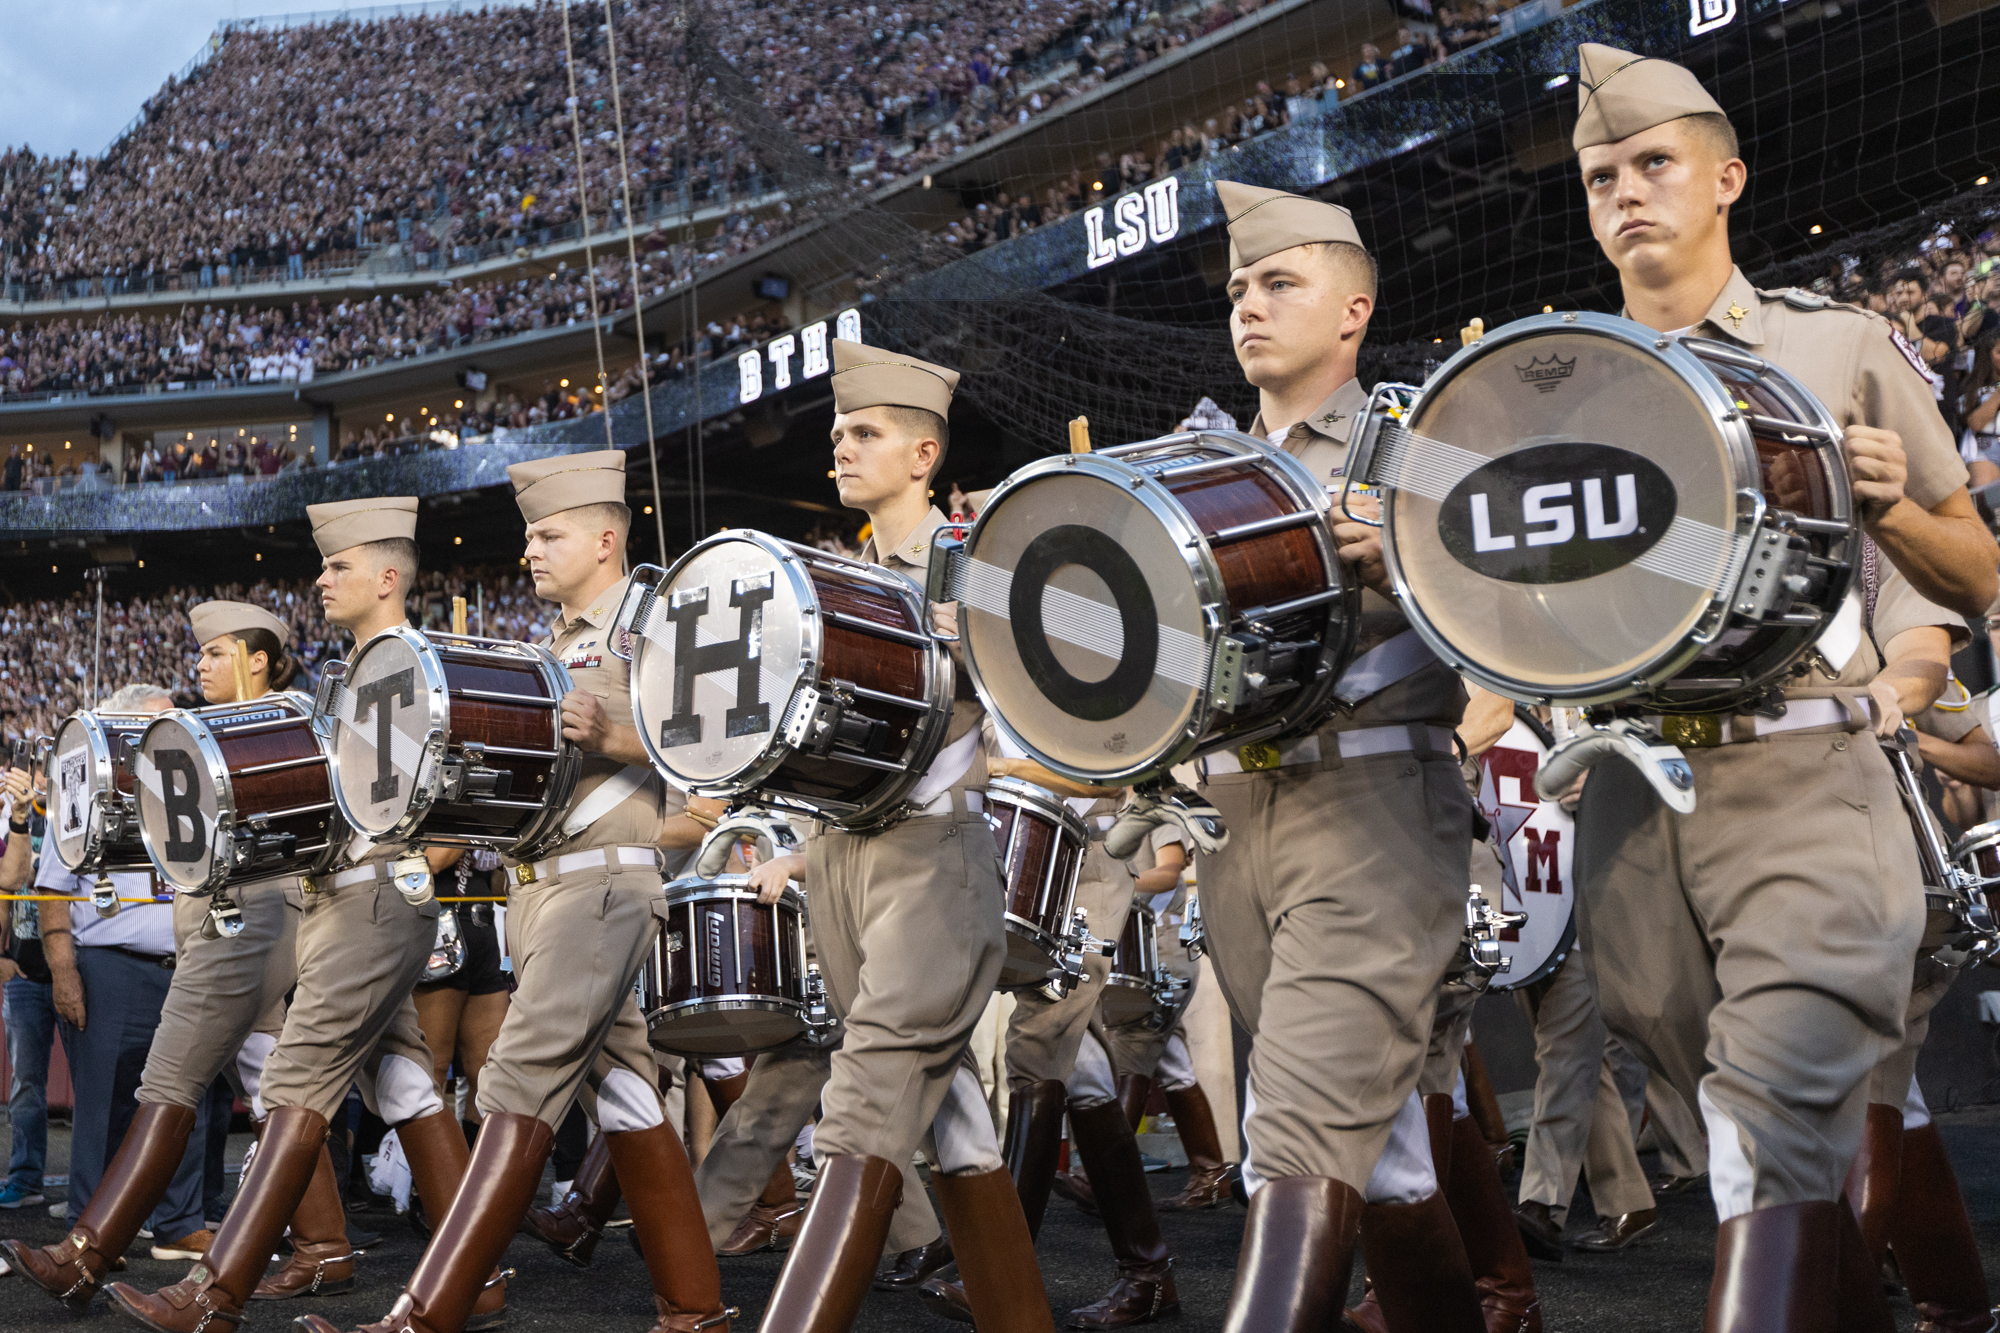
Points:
x=1149 y=215
x=811 y=338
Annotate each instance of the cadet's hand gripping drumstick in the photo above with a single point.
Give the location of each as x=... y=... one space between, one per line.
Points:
x=458 y=615
x=1079 y=435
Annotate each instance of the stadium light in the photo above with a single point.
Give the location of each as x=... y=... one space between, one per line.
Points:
x=1815 y=229
x=388 y=416
x=458 y=541
x=456 y=402
x=1340 y=83
x=1548 y=310
x=649 y=509
x=563 y=383
x=1980 y=181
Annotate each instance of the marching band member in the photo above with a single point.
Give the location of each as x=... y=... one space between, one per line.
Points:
x=578 y=927
x=907 y=923
x=224 y=1009
x=1339 y=899
x=361 y=948
x=1756 y=953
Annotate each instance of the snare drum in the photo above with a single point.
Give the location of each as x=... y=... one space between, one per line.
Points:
x=451 y=741
x=235 y=793
x=1126 y=610
x=728 y=975
x=1132 y=992
x=1583 y=511
x=1042 y=844
x=1537 y=844
x=810 y=680
x=94 y=807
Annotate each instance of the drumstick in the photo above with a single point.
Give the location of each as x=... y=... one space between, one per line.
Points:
x=1079 y=435
x=1472 y=332
x=239 y=660
x=458 y=615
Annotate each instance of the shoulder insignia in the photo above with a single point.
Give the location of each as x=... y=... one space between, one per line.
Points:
x=1800 y=299
x=1911 y=355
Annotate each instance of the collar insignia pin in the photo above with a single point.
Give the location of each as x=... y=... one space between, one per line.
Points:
x=1735 y=315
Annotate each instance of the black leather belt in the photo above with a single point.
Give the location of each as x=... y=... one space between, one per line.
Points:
x=165 y=960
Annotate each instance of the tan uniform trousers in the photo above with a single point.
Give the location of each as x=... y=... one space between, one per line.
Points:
x=907 y=923
x=1330 y=918
x=1889 y=1085
x=578 y=942
x=361 y=950
x=1580 y=1121
x=783 y=1091
x=1043 y=1035
x=1754 y=953
x=223 y=991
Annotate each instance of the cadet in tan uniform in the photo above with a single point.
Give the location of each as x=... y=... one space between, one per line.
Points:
x=1339 y=899
x=1756 y=952
x=361 y=947
x=579 y=924
x=907 y=922
x=225 y=1007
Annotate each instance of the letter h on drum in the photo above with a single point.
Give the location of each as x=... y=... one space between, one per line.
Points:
x=743 y=654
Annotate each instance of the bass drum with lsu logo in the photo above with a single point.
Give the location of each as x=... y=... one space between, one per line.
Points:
x=1581 y=510
x=1127 y=610
x=802 y=679
x=1536 y=842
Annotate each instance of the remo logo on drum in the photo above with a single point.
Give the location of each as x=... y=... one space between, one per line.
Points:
x=1557 y=513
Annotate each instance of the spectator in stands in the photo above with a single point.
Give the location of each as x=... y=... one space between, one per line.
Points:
x=1979 y=403
x=1409 y=54
x=12 y=475
x=27 y=1005
x=1372 y=71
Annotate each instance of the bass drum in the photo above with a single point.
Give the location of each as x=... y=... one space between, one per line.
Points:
x=1583 y=511
x=235 y=793
x=451 y=742
x=802 y=680
x=1126 y=610
x=93 y=815
x=1536 y=840
x=728 y=975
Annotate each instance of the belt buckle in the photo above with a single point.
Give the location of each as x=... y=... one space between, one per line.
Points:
x=1258 y=756
x=1691 y=730
x=525 y=873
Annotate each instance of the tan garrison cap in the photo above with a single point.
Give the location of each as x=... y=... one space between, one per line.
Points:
x=1263 y=222
x=346 y=523
x=212 y=620
x=873 y=377
x=1619 y=94
x=547 y=486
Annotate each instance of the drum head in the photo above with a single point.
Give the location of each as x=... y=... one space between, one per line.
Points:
x=1537 y=842
x=714 y=666
x=383 y=717
x=180 y=808
x=1083 y=618
x=76 y=765
x=1567 y=510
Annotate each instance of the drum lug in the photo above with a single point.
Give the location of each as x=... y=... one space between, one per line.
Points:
x=1192 y=937
x=468 y=778
x=1483 y=924
x=257 y=843
x=1772 y=577
x=820 y=1022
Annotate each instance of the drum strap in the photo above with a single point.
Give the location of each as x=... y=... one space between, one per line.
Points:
x=952 y=764
x=1394 y=659
x=609 y=795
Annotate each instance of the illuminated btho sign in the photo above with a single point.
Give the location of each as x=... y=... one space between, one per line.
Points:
x=811 y=338
x=1151 y=215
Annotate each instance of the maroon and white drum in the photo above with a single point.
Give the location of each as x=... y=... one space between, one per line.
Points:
x=1041 y=843
x=94 y=807
x=728 y=975
x=1133 y=991
x=1537 y=843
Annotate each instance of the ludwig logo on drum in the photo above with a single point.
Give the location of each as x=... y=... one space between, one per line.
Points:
x=1556 y=513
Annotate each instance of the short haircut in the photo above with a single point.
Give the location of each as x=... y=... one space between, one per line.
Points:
x=1353 y=264
x=133 y=698
x=1714 y=127
x=921 y=424
x=397 y=553
x=609 y=514
x=1910 y=274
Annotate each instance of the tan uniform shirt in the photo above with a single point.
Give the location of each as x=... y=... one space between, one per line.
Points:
x=583 y=646
x=911 y=559
x=1433 y=692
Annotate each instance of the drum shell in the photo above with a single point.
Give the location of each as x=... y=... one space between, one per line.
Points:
x=1131 y=991
x=499 y=725
x=1042 y=845
x=728 y=974
x=296 y=798
x=111 y=842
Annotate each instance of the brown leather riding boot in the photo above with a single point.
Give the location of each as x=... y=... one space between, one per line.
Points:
x=573 y=1227
x=726 y=1092
x=322 y=1261
x=826 y=1276
x=1417 y=1265
x=497 y=1185
x=1208 y=1171
x=773 y=1220
x=1145 y=1287
x=212 y=1296
x=1134 y=1091
x=130 y=1188
x=673 y=1238
x=1932 y=1239
x=439 y=1159
x=1775 y=1270
x=1484 y=1104
x=1500 y=1267
x=1297 y=1254
x=1032 y=1147
x=1871 y=1181
x=1367 y=1316
x=996 y=1255
x=1863 y=1306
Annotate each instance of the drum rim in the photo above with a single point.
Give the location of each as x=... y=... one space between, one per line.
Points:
x=191 y=721
x=1742 y=452
x=1977 y=838
x=1565 y=946
x=713 y=888
x=104 y=777
x=428 y=781
x=793 y=561
x=1026 y=795
x=1111 y=466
